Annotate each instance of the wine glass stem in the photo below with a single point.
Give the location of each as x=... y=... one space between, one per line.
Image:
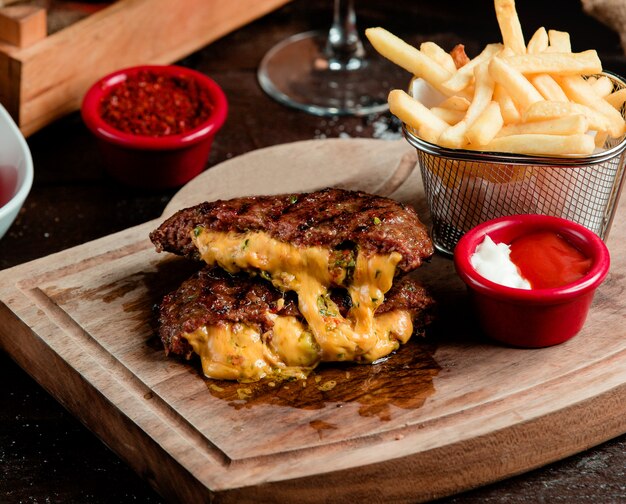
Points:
x=344 y=48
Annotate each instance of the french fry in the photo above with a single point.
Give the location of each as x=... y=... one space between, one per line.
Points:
x=540 y=98
x=566 y=125
x=543 y=145
x=483 y=92
x=544 y=110
x=548 y=87
x=538 y=43
x=602 y=86
x=617 y=98
x=548 y=109
x=408 y=57
x=600 y=138
x=486 y=126
x=510 y=27
x=449 y=115
x=413 y=113
x=583 y=63
x=455 y=136
x=577 y=89
x=455 y=103
x=464 y=75
x=435 y=52
x=520 y=89
x=506 y=52
x=559 y=41
x=508 y=109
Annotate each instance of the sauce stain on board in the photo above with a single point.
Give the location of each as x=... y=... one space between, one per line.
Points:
x=403 y=380
x=320 y=426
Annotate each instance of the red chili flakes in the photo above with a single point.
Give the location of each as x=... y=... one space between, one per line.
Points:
x=149 y=104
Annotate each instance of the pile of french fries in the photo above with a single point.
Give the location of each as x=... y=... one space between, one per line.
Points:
x=536 y=98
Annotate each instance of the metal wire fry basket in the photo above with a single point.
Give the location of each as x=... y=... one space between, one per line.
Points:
x=464 y=188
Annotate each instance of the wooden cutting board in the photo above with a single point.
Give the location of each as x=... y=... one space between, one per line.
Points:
x=447 y=413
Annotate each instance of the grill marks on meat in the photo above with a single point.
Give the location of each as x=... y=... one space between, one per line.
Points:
x=212 y=296
x=328 y=218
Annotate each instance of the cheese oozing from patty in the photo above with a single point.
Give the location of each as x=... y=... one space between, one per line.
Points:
x=235 y=351
x=310 y=272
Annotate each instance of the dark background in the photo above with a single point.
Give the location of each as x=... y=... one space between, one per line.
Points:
x=48 y=456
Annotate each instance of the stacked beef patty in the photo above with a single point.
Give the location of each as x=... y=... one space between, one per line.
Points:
x=294 y=280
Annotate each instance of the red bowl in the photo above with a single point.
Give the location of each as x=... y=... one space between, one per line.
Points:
x=154 y=161
x=537 y=317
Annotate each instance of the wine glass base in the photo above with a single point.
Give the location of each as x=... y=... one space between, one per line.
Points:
x=296 y=72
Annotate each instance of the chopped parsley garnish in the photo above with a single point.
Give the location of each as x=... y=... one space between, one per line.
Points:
x=344 y=260
x=197 y=230
x=293 y=199
x=376 y=221
x=325 y=306
x=342 y=263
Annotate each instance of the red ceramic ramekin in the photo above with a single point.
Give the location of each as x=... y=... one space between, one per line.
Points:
x=154 y=161
x=537 y=317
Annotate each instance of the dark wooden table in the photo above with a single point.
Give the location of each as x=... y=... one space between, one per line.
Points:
x=48 y=456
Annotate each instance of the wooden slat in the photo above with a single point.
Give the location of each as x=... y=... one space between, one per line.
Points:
x=22 y=25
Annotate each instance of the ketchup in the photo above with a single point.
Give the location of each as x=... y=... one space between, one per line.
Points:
x=547 y=260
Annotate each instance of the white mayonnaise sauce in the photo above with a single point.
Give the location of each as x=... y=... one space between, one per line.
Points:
x=492 y=261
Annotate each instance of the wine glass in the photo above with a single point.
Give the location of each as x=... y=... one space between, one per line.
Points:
x=329 y=74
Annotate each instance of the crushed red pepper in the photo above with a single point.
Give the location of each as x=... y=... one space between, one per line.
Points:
x=149 y=104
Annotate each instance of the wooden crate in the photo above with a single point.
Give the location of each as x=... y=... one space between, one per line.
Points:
x=44 y=77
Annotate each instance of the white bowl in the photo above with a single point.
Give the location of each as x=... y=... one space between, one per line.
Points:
x=16 y=167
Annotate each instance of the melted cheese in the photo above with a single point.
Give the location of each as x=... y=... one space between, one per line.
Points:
x=308 y=271
x=239 y=352
x=392 y=328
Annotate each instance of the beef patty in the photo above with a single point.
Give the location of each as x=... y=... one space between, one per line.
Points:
x=330 y=218
x=333 y=287
x=212 y=297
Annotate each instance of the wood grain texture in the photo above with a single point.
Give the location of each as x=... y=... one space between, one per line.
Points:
x=48 y=79
x=445 y=414
x=22 y=25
